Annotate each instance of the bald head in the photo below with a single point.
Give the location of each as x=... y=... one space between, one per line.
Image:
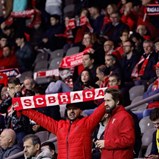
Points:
x=7 y=138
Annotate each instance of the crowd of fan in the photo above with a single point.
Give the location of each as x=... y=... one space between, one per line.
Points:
x=123 y=45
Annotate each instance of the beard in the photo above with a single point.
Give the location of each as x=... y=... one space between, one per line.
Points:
x=109 y=109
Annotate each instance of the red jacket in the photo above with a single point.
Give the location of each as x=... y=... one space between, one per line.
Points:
x=119 y=136
x=74 y=140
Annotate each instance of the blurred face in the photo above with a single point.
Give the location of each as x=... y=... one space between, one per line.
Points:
x=93 y=11
x=84 y=76
x=6 y=51
x=127 y=47
x=19 y=42
x=53 y=21
x=145 y=2
x=87 y=62
x=4 y=140
x=148 y=47
x=157 y=72
x=73 y=113
x=86 y=40
x=113 y=81
x=99 y=74
x=141 y=29
x=156 y=124
x=114 y=18
x=109 y=9
x=109 y=61
x=157 y=46
x=30 y=150
x=3 y=42
x=124 y=37
x=109 y=103
x=108 y=46
x=27 y=84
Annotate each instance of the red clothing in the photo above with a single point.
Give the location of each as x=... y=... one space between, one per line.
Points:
x=74 y=139
x=8 y=62
x=119 y=136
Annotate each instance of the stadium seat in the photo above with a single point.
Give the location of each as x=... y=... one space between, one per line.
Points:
x=54 y=64
x=57 y=53
x=145 y=124
x=42 y=56
x=43 y=135
x=69 y=10
x=24 y=75
x=73 y=50
x=41 y=65
x=136 y=91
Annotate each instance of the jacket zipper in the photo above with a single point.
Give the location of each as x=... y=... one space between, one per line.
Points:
x=67 y=140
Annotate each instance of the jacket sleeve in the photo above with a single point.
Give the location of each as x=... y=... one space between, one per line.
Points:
x=95 y=117
x=125 y=137
x=48 y=123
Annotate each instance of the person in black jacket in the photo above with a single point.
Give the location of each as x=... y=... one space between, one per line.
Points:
x=19 y=123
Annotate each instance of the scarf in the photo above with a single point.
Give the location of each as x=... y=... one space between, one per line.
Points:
x=157 y=140
x=139 y=71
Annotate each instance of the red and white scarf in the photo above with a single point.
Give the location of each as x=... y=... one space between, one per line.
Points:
x=155 y=85
x=138 y=72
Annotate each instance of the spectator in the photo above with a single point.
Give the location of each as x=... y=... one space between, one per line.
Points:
x=128 y=62
x=85 y=82
x=19 y=123
x=8 y=145
x=51 y=147
x=113 y=29
x=119 y=138
x=78 y=137
x=8 y=59
x=32 y=148
x=102 y=74
x=143 y=72
x=24 y=53
x=154 y=117
x=153 y=89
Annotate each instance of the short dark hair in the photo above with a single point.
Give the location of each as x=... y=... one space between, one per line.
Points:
x=116 y=95
x=50 y=144
x=103 y=69
x=91 y=56
x=154 y=114
x=14 y=80
x=35 y=139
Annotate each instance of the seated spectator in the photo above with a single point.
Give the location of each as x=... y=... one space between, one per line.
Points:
x=112 y=64
x=143 y=31
x=102 y=74
x=109 y=49
x=32 y=148
x=113 y=29
x=8 y=59
x=19 y=123
x=85 y=82
x=154 y=117
x=144 y=72
x=24 y=53
x=8 y=145
x=51 y=147
x=49 y=40
x=153 y=89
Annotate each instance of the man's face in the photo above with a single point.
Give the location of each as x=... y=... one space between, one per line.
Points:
x=114 y=18
x=27 y=84
x=87 y=62
x=6 y=51
x=99 y=74
x=73 y=113
x=109 y=61
x=109 y=103
x=19 y=42
x=4 y=140
x=53 y=21
x=112 y=81
x=3 y=42
x=124 y=37
x=127 y=47
x=148 y=48
x=30 y=150
x=156 y=123
x=108 y=45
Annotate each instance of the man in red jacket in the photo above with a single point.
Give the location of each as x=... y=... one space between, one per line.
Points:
x=119 y=137
x=74 y=135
